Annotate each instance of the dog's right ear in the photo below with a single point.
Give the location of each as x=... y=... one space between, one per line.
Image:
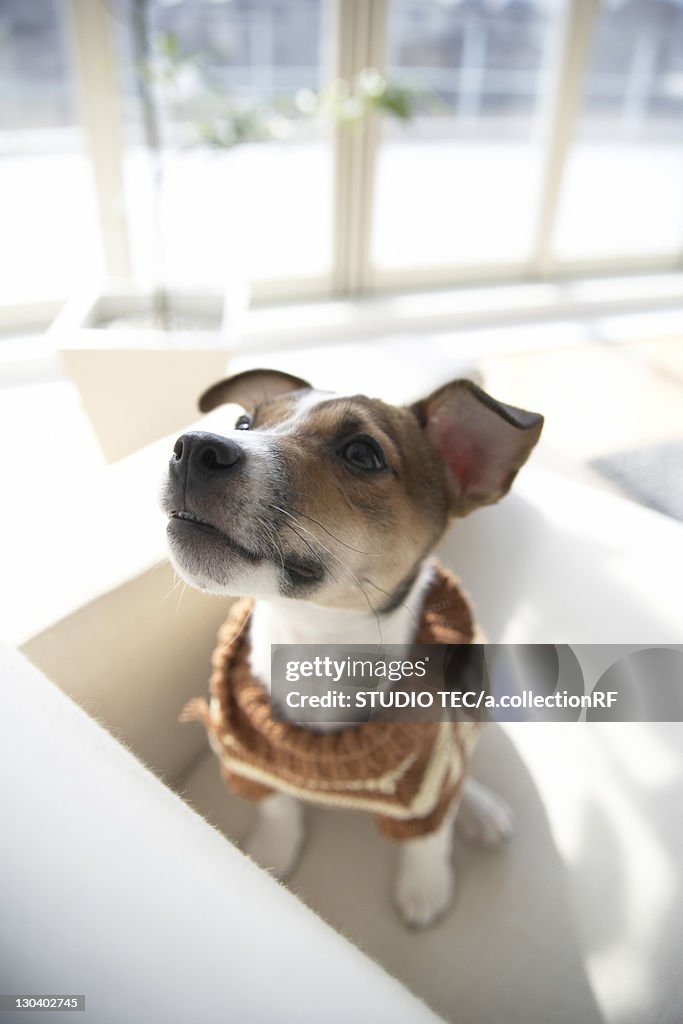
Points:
x=251 y=388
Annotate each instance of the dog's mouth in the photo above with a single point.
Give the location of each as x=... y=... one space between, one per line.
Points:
x=197 y=525
x=303 y=572
x=190 y=517
x=299 y=570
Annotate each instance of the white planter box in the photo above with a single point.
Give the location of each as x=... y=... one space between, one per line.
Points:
x=138 y=383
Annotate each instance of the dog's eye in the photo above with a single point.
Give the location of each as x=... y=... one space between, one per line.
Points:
x=243 y=422
x=364 y=453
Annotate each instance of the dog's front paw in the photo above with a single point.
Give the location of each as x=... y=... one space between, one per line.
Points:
x=273 y=849
x=484 y=818
x=424 y=891
x=277 y=836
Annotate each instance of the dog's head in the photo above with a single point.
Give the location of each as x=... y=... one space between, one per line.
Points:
x=332 y=499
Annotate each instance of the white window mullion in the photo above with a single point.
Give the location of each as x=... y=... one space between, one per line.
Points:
x=343 y=192
x=560 y=116
x=360 y=44
x=358 y=133
x=375 y=56
x=99 y=101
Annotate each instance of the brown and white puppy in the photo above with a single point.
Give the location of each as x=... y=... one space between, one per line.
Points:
x=325 y=509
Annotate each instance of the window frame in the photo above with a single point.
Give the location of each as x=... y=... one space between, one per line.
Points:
x=359 y=29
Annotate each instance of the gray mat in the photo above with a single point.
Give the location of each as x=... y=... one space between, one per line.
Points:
x=653 y=475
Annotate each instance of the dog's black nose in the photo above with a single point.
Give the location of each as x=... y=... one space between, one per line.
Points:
x=208 y=453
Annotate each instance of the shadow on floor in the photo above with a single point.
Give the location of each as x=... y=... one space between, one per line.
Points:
x=508 y=950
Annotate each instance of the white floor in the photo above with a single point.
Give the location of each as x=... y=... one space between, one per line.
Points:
x=574 y=922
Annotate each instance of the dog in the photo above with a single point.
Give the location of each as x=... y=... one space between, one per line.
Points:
x=326 y=510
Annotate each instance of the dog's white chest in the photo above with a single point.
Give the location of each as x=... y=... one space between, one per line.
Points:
x=298 y=622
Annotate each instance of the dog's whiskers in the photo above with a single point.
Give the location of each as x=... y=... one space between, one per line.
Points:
x=358 y=551
x=181 y=595
x=340 y=560
x=309 y=546
x=180 y=585
x=271 y=536
x=402 y=604
x=178 y=580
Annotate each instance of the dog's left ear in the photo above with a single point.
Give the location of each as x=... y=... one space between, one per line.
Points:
x=482 y=442
x=251 y=388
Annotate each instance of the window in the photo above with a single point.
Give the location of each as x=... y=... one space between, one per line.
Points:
x=546 y=135
x=623 y=193
x=49 y=235
x=263 y=207
x=460 y=184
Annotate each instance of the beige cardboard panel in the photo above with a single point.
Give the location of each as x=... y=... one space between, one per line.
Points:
x=134 y=396
x=132 y=658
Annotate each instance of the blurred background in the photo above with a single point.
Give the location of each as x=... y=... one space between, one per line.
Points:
x=541 y=138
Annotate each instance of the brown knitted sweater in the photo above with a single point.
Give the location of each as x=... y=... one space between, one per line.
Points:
x=406 y=773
